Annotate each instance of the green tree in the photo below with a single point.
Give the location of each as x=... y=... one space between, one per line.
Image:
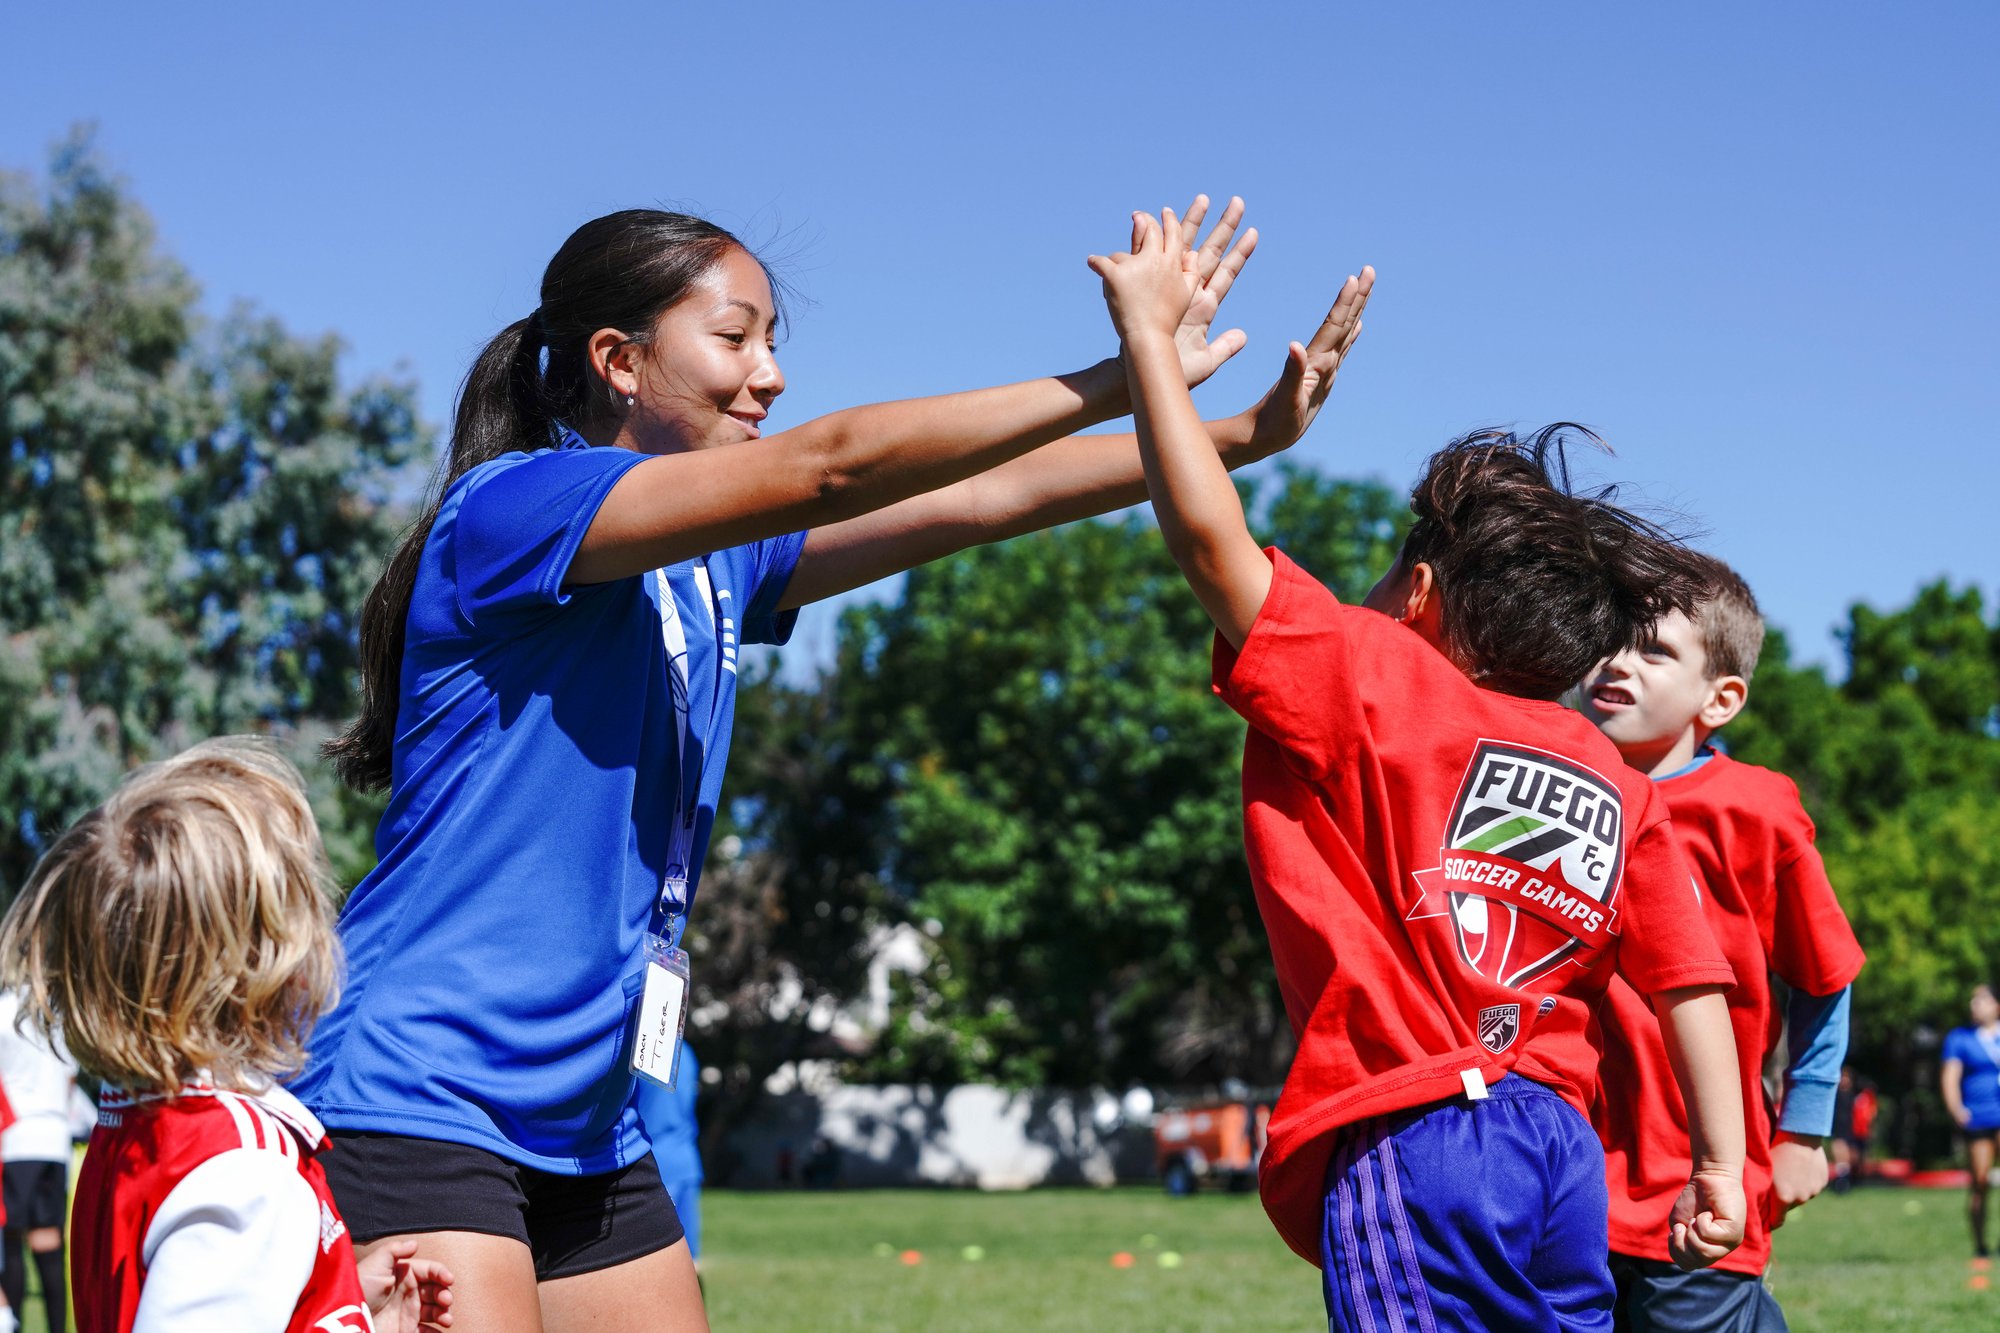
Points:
x=791 y=903
x=1899 y=764
x=189 y=517
x=1029 y=740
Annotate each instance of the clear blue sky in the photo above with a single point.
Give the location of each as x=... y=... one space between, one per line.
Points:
x=1754 y=244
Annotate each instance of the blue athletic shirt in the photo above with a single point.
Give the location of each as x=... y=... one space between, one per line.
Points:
x=494 y=955
x=1979 y=1080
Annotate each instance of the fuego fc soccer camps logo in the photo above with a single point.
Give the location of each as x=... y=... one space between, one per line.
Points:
x=1533 y=852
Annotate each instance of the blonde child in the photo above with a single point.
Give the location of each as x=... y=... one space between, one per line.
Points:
x=180 y=938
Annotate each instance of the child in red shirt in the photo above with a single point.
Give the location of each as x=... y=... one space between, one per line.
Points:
x=9 y=1321
x=1450 y=864
x=181 y=939
x=1766 y=896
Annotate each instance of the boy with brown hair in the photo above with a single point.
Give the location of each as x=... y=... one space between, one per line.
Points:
x=1765 y=893
x=1451 y=865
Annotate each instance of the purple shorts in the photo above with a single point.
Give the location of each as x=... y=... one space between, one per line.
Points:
x=1466 y=1215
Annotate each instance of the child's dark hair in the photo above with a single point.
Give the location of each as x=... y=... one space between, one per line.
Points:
x=1539 y=582
x=621 y=271
x=1732 y=628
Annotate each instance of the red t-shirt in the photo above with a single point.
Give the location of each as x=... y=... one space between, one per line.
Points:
x=1769 y=904
x=7 y=1118
x=1449 y=876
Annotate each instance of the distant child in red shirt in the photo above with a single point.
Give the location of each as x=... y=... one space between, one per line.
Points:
x=1451 y=865
x=9 y=1320
x=1767 y=899
x=180 y=938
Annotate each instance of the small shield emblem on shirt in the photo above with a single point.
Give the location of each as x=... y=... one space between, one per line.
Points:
x=1499 y=1024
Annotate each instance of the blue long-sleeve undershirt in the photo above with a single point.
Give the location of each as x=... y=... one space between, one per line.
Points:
x=1816 y=1036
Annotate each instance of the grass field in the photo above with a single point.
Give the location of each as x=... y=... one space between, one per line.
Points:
x=831 y=1262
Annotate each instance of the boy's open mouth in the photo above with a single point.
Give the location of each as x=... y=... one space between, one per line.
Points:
x=1611 y=696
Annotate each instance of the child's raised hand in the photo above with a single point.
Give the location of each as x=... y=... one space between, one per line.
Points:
x=1707 y=1221
x=404 y=1293
x=1149 y=290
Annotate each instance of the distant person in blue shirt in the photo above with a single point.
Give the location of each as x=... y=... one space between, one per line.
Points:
x=549 y=668
x=1971 y=1078
x=670 y=1123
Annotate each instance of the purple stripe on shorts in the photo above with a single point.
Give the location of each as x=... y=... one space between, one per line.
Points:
x=1343 y=1193
x=1420 y=1295
x=1378 y=1251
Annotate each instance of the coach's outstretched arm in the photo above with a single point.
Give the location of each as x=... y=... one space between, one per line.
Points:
x=673 y=507
x=1708 y=1220
x=854 y=462
x=1199 y=512
x=1086 y=475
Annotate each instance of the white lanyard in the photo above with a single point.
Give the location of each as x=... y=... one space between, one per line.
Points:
x=673 y=902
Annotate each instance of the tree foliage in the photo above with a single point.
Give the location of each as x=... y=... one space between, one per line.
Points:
x=1899 y=764
x=1024 y=749
x=791 y=904
x=189 y=516
x=1019 y=753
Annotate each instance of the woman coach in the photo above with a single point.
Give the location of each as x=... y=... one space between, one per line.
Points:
x=549 y=670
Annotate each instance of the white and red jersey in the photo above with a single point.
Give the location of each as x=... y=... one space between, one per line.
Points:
x=208 y=1210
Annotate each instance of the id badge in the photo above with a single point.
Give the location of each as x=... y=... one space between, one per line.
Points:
x=656 y=1048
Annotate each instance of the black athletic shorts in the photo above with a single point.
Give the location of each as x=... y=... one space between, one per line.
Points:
x=393 y=1185
x=36 y=1194
x=1657 y=1297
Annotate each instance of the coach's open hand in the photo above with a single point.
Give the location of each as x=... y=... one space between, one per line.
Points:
x=1217 y=263
x=1281 y=418
x=1708 y=1219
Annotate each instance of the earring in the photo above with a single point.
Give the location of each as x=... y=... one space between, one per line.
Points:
x=628 y=400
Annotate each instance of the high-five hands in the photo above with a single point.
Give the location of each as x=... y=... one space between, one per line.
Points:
x=1282 y=416
x=1707 y=1221
x=1150 y=290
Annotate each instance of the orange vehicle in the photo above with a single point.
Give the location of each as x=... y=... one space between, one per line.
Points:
x=1215 y=1141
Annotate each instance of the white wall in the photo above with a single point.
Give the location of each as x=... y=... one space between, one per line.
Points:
x=974 y=1135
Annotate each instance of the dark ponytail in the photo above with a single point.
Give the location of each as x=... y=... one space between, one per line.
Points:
x=622 y=271
x=1538 y=581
